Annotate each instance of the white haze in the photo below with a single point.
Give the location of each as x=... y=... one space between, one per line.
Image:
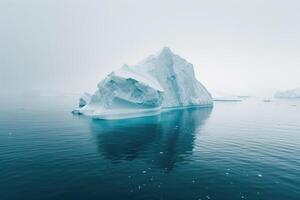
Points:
x=68 y=46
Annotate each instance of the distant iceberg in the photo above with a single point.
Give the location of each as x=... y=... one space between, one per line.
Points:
x=162 y=81
x=288 y=94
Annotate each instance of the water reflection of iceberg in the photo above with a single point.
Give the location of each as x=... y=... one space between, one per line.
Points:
x=162 y=140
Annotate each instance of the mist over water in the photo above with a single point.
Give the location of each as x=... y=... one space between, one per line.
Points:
x=66 y=47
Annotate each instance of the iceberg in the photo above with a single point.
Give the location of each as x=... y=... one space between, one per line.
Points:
x=160 y=82
x=288 y=94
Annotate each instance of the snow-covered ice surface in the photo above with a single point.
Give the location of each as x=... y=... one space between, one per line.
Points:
x=160 y=82
x=288 y=94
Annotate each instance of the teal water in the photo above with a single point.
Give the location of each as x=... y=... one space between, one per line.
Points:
x=236 y=150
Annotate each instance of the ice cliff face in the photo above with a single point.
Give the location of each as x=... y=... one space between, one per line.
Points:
x=288 y=94
x=160 y=81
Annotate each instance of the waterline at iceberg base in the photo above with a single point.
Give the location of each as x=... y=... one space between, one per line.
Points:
x=158 y=83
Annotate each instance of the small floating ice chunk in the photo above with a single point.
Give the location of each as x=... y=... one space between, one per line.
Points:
x=161 y=152
x=76 y=111
x=259 y=175
x=219 y=96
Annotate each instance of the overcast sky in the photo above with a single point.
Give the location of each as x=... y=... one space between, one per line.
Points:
x=238 y=47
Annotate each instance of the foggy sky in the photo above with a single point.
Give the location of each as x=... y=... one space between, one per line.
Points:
x=238 y=47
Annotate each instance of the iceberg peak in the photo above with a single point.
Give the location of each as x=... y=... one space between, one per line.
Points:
x=166 y=56
x=165 y=51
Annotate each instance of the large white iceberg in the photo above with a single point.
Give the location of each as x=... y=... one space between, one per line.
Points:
x=162 y=81
x=288 y=94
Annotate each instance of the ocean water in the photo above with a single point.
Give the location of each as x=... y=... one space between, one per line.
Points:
x=236 y=150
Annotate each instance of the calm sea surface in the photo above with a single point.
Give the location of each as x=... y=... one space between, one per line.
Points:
x=236 y=150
